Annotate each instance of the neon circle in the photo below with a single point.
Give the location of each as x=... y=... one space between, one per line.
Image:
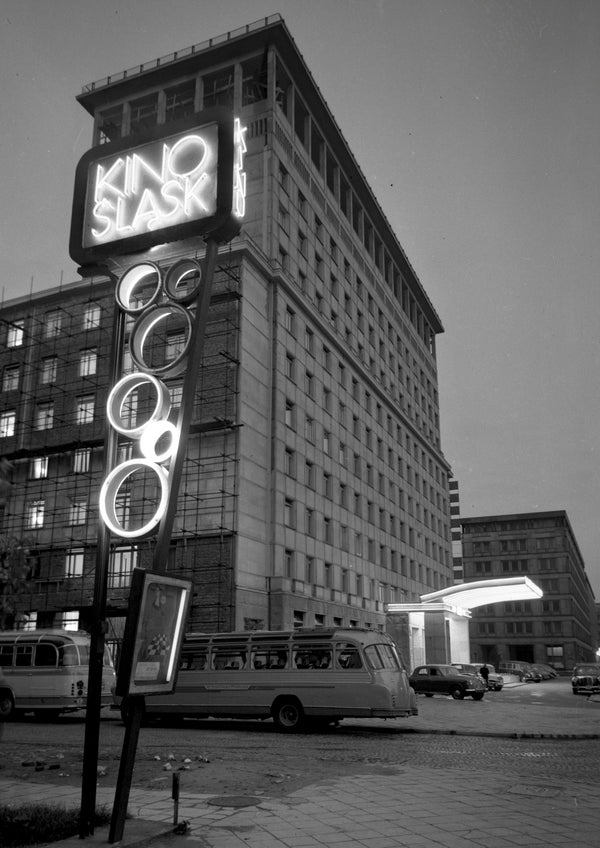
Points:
x=137 y=278
x=110 y=492
x=189 y=162
x=143 y=330
x=123 y=390
x=151 y=436
x=180 y=276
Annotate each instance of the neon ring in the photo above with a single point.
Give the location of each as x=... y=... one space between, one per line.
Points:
x=123 y=390
x=144 y=328
x=153 y=433
x=183 y=280
x=110 y=491
x=132 y=293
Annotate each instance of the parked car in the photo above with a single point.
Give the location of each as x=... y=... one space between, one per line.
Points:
x=495 y=682
x=586 y=679
x=523 y=670
x=432 y=680
x=548 y=670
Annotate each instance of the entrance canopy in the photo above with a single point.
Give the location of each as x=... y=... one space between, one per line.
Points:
x=482 y=592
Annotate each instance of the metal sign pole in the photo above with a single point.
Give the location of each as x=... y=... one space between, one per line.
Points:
x=98 y=624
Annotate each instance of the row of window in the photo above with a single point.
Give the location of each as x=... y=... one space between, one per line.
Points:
x=520 y=628
x=515 y=565
x=53 y=325
x=545 y=543
x=122 y=561
x=88 y=363
x=44 y=418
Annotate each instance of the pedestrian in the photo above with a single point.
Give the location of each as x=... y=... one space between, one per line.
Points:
x=484 y=672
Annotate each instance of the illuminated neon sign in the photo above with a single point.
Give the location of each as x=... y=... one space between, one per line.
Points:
x=185 y=179
x=150 y=295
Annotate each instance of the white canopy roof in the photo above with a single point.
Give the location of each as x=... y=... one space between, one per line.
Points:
x=482 y=592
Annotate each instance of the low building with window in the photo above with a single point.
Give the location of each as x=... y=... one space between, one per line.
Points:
x=560 y=628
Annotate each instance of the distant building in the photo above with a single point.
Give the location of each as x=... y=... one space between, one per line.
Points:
x=315 y=488
x=560 y=628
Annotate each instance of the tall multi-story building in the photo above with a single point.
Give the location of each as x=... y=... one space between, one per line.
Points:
x=560 y=628
x=315 y=489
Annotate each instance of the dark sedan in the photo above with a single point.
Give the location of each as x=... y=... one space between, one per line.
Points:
x=586 y=679
x=432 y=680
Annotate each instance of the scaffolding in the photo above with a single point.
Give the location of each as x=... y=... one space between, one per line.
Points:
x=54 y=356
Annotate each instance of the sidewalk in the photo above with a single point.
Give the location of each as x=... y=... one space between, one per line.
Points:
x=420 y=807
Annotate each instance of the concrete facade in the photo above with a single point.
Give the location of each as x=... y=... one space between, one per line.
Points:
x=315 y=489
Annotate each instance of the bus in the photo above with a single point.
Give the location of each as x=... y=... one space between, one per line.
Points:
x=46 y=672
x=298 y=677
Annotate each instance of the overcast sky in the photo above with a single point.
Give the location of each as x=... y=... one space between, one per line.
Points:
x=477 y=123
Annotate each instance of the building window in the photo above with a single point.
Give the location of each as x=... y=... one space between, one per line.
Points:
x=44 y=416
x=309 y=474
x=144 y=113
x=290 y=418
x=288 y=563
x=49 y=370
x=16 y=333
x=91 y=317
x=84 y=410
x=290 y=321
x=310 y=527
x=69 y=620
x=35 y=514
x=218 y=88
x=74 y=563
x=7 y=424
x=87 y=362
x=10 y=378
x=289 y=462
x=288 y=513
x=120 y=567
x=328 y=530
x=81 y=460
x=38 y=468
x=290 y=367
x=78 y=511
x=179 y=100
x=53 y=324
x=310 y=429
x=176 y=395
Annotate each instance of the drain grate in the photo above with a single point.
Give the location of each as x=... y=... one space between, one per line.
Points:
x=235 y=801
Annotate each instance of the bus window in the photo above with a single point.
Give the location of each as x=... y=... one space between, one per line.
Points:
x=45 y=655
x=68 y=655
x=6 y=655
x=381 y=656
x=194 y=660
x=269 y=657
x=347 y=656
x=312 y=657
x=226 y=657
x=24 y=655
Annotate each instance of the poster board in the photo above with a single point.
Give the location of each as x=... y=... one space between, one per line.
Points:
x=158 y=607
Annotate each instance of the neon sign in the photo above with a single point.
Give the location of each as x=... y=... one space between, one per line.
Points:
x=137 y=293
x=160 y=184
x=184 y=179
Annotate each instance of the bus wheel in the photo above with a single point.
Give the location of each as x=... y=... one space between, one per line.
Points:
x=288 y=714
x=7 y=706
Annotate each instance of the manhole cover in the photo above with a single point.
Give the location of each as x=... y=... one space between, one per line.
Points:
x=235 y=801
x=535 y=791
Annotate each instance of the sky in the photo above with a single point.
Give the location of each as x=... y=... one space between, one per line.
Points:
x=477 y=124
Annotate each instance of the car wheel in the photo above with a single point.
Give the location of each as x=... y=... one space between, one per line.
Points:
x=457 y=693
x=288 y=714
x=477 y=696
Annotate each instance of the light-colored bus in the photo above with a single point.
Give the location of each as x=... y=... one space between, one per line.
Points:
x=294 y=677
x=46 y=672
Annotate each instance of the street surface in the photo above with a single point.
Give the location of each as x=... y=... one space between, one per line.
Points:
x=252 y=757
